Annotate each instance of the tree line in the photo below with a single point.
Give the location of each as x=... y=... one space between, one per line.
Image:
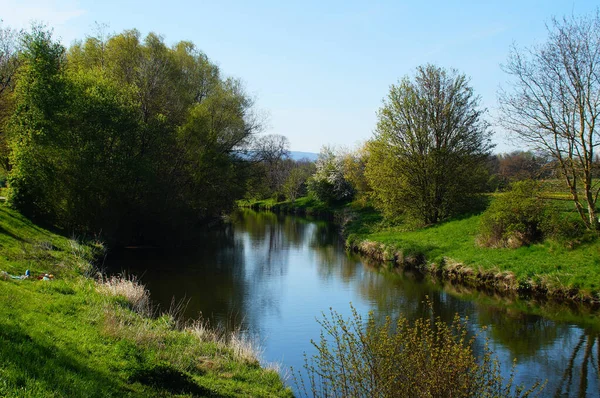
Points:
x=430 y=156
x=137 y=139
x=123 y=135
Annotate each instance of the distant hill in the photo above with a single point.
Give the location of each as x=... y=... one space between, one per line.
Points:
x=297 y=155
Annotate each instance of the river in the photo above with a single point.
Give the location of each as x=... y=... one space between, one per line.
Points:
x=274 y=275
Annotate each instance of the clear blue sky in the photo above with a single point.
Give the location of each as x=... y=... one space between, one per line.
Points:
x=320 y=69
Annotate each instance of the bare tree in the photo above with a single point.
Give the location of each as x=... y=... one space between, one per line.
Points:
x=271 y=151
x=554 y=103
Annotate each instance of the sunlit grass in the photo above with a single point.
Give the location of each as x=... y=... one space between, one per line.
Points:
x=553 y=265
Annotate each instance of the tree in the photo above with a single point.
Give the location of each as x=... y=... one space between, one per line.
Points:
x=10 y=41
x=328 y=183
x=271 y=152
x=554 y=104
x=37 y=124
x=428 y=156
x=355 y=163
x=295 y=184
x=128 y=137
x=522 y=165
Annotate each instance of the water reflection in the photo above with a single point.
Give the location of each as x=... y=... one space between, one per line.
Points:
x=274 y=274
x=585 y=362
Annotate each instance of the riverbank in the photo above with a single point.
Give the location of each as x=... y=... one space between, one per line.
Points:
x=74 y=335
x=304 y=206
x=549 y=269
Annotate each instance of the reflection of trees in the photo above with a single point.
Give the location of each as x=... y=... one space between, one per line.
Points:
x=582 y=367
x=209 y=278
x=523 y=334
x=254 y=223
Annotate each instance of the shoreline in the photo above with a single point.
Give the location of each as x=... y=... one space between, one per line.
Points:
x=493 y=279
x=503 y=282
x=86 y=334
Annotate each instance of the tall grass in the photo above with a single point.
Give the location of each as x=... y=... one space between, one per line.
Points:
x=242 y=346
x=130 y=289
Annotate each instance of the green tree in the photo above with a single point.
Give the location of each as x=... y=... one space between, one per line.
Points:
x=430 y=146
x=127 y=136
x=10 y=43
x=355 y=163
x=37 y=124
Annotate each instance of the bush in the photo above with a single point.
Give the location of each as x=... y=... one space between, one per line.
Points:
x=424 y=358
x=516 y=218
x=568 y=231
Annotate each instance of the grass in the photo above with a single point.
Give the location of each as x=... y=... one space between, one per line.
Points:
x=550 y=266
x=79 y=337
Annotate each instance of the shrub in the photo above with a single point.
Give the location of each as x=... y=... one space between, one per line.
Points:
x=425 y=358
x=568 y=231
x=516 y=218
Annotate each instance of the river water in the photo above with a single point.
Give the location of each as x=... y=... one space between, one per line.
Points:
x=274 y=275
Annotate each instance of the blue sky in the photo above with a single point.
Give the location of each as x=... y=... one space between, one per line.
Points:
x=320 y=69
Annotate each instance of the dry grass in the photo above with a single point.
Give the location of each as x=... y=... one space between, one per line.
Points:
x=129 y=288
x=242 y=347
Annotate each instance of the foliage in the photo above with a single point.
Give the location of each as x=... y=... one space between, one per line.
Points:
x=554 y=103
x=354 y=172
x=41 y=102
x=10 y=46
x=328 y=183
x=515 y=218
x=271 y=166
x=430 y=148
x=427 y=358
x=126 y=136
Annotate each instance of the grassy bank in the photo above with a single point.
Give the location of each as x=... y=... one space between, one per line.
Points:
x=450 y=250
x=77 y=336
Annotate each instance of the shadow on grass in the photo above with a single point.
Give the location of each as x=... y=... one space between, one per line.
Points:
x=8 y=233
x=31 y=365
x=170 y=379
